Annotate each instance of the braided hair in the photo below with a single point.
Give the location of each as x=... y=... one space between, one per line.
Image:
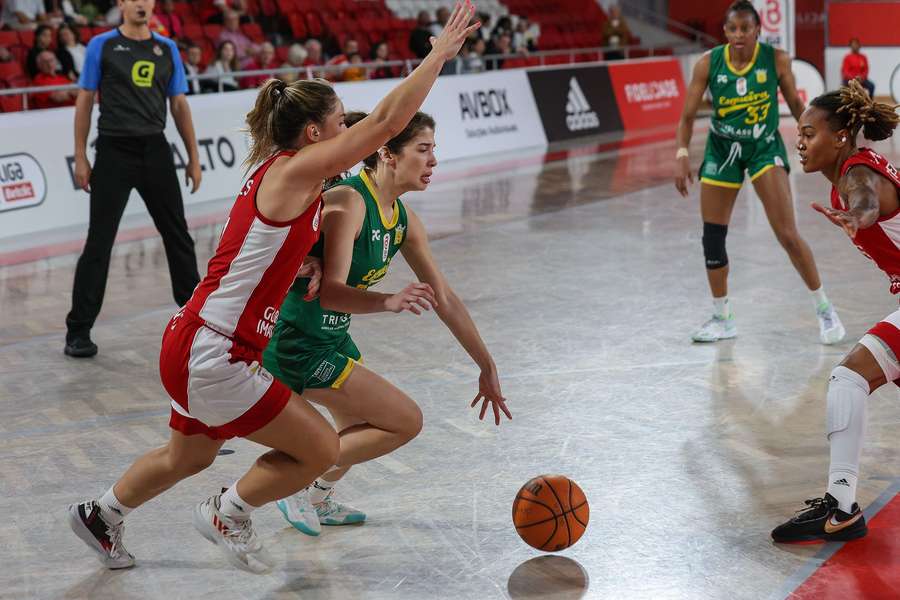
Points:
x=851 y=108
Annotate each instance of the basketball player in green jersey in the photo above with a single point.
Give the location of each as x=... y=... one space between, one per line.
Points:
x=743 y=77
x=364 y=224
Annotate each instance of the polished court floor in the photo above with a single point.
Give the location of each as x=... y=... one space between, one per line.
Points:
x=584 y=272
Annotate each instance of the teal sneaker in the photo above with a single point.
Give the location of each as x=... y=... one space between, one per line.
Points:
x=335 y=513
x=299 y=512
x=831 y=330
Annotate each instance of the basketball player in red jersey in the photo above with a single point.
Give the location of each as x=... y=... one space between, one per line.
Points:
x=211 y=356
x=864 y=203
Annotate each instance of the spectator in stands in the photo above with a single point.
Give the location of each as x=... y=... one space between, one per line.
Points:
x=616 y=33
x=501 y=44
x=441 y=17
x=314 y=56
x=484 y=32
x=351 y=47
x=355 y=73
x=856 y=66
x=193 y=66
x=43 y=39
x=48 y=75
x=420 y=37
x=5 y=55
x=23 y=15
x=70 y=51
x=504 y=25
x=169 y=19
x=266 y=59
x=296 y=58
x=243 y=46
x=381 y=53
x=224 y=65
x=525 y=36
x=65 y=11
x=474 y=56
x=216 y=11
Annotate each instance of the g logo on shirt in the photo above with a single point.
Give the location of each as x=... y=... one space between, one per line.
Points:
x=142 y=73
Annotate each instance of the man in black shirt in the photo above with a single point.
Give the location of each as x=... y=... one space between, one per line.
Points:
x=134 y=71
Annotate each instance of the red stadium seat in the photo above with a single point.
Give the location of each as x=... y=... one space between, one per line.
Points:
x=85 y=34
x=254 y=32
x=194 y=32
x=212 y=31
x=10 y=104
x=286 y=7
x=26 y=38
x=10 y=70
x=8 y=38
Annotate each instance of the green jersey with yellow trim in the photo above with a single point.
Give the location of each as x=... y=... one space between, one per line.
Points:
x=379 y=240
x=745 y=102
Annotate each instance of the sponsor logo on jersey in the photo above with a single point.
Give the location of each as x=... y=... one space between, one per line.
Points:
x=741 y=86
x=580 y=116
x=376 y=235
x=483 y=104
x=375 y=275
x=721 y=78
x=22 y=181
x=762 y=76
x=157 y=50
x=315 y=223
x=733 y=154
x=266 y=326
x=758 y=130
x=779 y=162
x=142 y=73
x=385 y=247
x=398 y=235
x=711 y=168
x=730 y=105
x=121 y=48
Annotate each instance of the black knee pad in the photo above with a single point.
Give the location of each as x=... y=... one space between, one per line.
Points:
x=714 y=245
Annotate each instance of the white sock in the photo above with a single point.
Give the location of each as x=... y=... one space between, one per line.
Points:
x=818 y=297
x=721 y=307
x=233 y=506
x=319 y=489
x=111 y=510
x=848 y=392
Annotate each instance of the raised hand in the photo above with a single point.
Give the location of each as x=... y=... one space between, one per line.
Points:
x=455 y=32
x=414 y=297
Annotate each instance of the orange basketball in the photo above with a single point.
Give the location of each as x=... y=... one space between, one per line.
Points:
x=550 y=513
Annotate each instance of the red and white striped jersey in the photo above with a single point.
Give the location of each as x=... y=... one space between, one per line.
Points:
x=881 y=241
x=254 y=266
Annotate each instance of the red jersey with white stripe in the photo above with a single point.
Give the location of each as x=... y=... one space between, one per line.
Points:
x=254 y=266
x=881 y=241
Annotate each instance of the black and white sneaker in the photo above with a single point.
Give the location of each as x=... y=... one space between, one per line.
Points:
x=822 y=521
x=100 y=536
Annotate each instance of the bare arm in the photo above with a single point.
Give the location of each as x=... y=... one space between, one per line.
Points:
x=449 y=307
x=181 y=114
x=788 y=84
x=864 y=190
x=341 y=223
x=84 y=106
x=390 y=116
x=685 y=130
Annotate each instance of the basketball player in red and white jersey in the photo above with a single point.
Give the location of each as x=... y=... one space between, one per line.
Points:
x=865 y=203
x=211 y=355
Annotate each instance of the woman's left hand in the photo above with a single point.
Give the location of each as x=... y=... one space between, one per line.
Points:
x=489 y=393
x=312 y=268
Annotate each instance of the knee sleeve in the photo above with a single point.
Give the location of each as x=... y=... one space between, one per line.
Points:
x=847 y=394
x=714 y=245
x=884 y=356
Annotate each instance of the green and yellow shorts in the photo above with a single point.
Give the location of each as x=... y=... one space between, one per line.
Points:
x=291 y=359
x=725 y=160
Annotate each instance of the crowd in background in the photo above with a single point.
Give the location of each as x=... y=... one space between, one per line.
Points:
x=58 y=53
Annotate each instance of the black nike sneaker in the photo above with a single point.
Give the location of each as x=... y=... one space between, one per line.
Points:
x=80 y=347
x=100 y=536
x=822 y=521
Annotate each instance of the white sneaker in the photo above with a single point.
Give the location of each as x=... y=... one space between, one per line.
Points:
x=717 y=328
x=236 y=538
x=335 y=513
x=831 y=330
x=100 y=536
x=299 y=512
